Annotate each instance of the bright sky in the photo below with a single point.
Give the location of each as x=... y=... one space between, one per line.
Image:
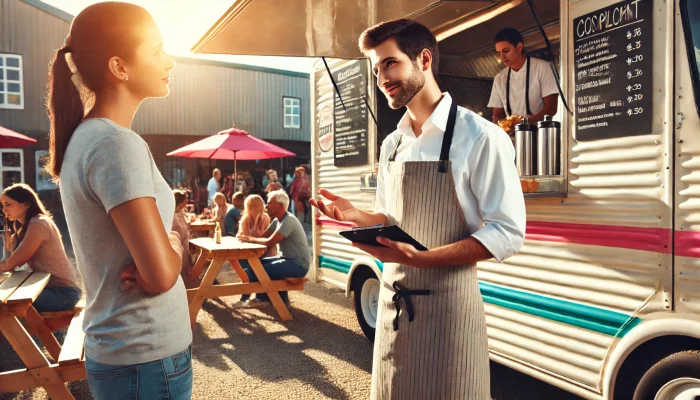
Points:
x=182 y=24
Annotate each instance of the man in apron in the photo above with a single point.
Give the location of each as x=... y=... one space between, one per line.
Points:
x=446 y=177
x=526 y=86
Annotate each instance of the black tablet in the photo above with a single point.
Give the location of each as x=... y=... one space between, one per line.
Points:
x=368 y=235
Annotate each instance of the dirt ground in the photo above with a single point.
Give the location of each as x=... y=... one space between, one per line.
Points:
x=321 y=354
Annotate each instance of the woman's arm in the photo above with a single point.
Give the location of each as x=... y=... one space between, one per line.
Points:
x=25 y=251
x=157 y=255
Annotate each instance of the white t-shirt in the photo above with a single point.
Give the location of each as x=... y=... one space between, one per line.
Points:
x=542 y=84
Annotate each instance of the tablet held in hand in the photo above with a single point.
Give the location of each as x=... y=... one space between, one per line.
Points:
x=368 y=235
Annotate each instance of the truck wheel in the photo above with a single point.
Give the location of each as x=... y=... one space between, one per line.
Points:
x=676 y=377
x=365 y=294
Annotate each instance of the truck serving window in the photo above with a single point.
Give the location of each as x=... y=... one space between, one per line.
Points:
x=690 y=14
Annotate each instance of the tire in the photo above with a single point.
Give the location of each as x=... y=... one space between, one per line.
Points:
x=365 y=294
x=678 y=372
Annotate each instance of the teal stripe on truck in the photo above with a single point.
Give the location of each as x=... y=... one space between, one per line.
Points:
x=580 y=315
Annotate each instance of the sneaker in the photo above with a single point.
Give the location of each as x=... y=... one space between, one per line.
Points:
x=255 y=303
x=238 y=304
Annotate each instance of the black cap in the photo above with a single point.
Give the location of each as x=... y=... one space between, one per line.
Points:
x=525 y=125
x=548 y=123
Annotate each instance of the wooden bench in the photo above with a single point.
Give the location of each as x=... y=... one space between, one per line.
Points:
x=73 y=348
x=17 y=293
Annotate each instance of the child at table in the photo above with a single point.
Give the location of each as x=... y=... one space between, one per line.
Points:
x=33 y=238
x=219 y=212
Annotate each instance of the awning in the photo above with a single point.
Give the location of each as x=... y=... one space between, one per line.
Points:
x=330 y=28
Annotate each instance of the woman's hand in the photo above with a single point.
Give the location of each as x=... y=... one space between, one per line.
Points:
x=8 y=240
x=244 y=238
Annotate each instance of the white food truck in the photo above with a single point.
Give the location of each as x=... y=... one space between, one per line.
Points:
x=603 y=300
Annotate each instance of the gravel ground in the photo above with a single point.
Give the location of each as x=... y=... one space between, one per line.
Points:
x=321 y=354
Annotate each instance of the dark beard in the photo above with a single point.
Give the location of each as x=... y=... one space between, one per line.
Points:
x=408 y=89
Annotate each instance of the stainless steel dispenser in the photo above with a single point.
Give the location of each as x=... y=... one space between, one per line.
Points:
x=525 y=157
x=548 y=147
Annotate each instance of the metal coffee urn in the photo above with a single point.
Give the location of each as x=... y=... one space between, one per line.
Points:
x=548 y=146
x=525 y=158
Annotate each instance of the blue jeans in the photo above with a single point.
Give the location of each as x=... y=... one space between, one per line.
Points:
x=169 y=378
x=276 y=268
x=57 y=299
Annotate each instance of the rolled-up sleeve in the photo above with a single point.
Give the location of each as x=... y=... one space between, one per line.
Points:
x=495 y=183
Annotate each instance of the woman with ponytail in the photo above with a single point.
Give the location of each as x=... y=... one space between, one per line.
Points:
x=118 y=207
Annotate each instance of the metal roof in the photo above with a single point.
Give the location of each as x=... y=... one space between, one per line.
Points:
x=57 y=12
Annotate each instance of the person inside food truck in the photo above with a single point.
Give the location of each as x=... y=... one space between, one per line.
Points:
x=523 y=77
x=446 y=177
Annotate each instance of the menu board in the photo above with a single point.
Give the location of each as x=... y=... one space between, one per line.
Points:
x=351 y=124
x=613 y=66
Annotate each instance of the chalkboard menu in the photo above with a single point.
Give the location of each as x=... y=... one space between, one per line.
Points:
x=350 y=140
x=613 y=66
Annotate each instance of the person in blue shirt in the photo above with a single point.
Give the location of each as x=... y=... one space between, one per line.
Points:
x=233 y=215
x=213 y=186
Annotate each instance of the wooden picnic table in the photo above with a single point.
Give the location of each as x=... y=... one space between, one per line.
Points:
x=231 y=249
x=17 y=293
x=203 y=227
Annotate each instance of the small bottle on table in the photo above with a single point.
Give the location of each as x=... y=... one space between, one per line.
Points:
x=217 y=233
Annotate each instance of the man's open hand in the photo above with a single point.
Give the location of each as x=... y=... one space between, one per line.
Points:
x=339 y=208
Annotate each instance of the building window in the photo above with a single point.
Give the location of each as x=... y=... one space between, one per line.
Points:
x=44 y=181
x=11 y=86
x=292 y=112
x=11 y=167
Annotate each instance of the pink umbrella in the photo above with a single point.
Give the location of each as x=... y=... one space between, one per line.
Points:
x=10 y=139
x=232 y=144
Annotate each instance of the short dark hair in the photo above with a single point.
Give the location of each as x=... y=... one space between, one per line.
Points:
x=509 y=35
x=180 y=196
x=411 y=37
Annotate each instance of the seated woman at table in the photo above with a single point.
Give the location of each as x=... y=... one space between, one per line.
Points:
x=219 y=212
x=33 y=238
x=255 y=221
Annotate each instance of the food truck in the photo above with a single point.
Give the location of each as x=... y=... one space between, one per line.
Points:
x=603 y=300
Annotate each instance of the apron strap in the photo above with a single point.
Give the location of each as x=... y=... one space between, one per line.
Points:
x=527 y=90
x=447 y=138
x=401 y=293
x=392 y=156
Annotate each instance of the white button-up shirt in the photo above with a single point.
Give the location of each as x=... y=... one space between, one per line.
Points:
x=483 y=168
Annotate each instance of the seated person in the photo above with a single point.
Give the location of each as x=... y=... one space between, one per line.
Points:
x=219 y=212
x=34 y=238
x=180 y=220
x=233 y=215
x=255 y=222
x=286 y=230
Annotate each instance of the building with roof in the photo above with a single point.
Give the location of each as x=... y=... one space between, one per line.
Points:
x=206 y=97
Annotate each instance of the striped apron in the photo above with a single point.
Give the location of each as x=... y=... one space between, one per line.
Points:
x=430 y=340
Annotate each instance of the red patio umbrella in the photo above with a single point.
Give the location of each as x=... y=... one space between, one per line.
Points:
x=10 y=139
x=232 y=144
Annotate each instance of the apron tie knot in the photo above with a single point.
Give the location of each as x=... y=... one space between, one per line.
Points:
x=401 y=293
